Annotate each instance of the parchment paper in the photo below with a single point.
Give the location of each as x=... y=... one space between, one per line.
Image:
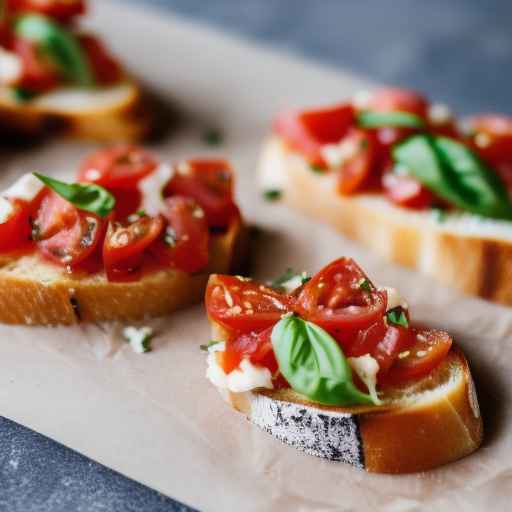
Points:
x=154 y=417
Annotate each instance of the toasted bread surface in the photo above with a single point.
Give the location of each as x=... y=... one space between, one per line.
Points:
x=482 y=247
x=35 y=292
x=110 y=114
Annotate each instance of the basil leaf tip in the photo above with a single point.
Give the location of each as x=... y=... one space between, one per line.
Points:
x=85 y=196
x=399 y=119
x=397 y=316
x=314 y=364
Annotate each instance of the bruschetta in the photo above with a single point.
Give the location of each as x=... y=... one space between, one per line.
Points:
x=398 y=174
x=334 y=366
x=131 y=238
x=56 y=78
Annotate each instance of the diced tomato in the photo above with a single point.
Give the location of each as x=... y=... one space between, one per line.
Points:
x=128 y=201
x=62 y=10
x=38 y=73
x=426 y=351
x=64 y=234
x=308 y=131
x=407 y=191
x=392 y=99
x=244 y=306
x=335 y=300
x=367 y=339
x=124 y=246
x=256 y=346
x=354 y=173
x=121 y=166
x=210 y=183
x=184 y=243
x=15 y=232
x=395 y=341
x=106 y=69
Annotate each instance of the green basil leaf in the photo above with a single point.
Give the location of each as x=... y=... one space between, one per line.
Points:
x=454 y=173
x=89 y=197
x=313 y=363
x=60 y=44
x=272 y=194
x=397 y=316
x=370 y=119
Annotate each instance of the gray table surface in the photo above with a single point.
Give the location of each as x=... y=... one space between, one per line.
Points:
x=459 y=51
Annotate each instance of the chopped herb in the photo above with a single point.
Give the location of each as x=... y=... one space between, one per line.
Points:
x=139 y=338
x=365 y=285
x=397 y=316
x=439 y=214
x=272 y=195
x=22 y=95
x=141 y=213
x=207 y=346
x=290 y=280
x=316 y=168
x=212 y=137
x=371 y=119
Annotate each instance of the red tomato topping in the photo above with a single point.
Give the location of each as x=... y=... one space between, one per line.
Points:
x=121 y=166
x=124 y=246
x=393 y=99
x=395 y=341
x=354 y=174
x=62 y=10
x=308 y=131
x=425 y=352
x=335 y=300
x=106 y=69
x=184 y=243
x=210 y=184
x=16 y=231
x=243 y=306
x=407 y=191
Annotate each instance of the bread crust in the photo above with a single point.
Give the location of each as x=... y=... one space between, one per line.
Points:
x=486 y=261
x=395 y=438
x=34 y=292
x=127 y=119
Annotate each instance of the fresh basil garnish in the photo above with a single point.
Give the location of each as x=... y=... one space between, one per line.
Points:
x=313 y=363
x=455 y=173
x=289 y=275
x=22 y=95
x=397 y=316
x=365 y=285
x=206 y=346
x=89 y=197
x=272 y=194
x=371 y=119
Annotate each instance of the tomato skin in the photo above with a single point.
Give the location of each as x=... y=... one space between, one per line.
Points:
x=16 y=232
x=395 y=341
x=308 y=131
x=367 y=339
x=355 y=173
x=121 y=166
x=334 y=300
x=61 y=10
x=228 y=299
x=427 y=350
x=406 y=191
x=210 y=184
x=106 y=69
x=392 y=99
x=184 y=243
x=124 y=247
x=128 y=201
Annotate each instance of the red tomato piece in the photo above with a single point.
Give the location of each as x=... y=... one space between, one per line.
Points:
x=184 y=243
x=210 y=184
x=407 y=191
x=16 y=231
x=124 y=246
x=62 y=10
x=427 y=350
x=121 y=166
x=242 y=306
x=128 y=201
x=106 y=69
x=354 y=173
x=367 y=339
x=392 y=99
x=308 y=131
x=395 y=341
x=335 y=300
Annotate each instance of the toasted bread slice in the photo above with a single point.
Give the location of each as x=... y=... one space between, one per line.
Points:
x=482 y=247
x=422 y=425
x=34 y=292
x=109 y=114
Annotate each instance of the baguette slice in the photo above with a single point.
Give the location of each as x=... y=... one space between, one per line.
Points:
x=110 y=114
x=420 y=426
x=34 y=292
x=481 y=247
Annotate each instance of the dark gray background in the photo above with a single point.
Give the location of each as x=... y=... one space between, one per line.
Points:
x=460 y=51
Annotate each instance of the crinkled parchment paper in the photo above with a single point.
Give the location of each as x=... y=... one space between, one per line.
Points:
x=154 y=417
